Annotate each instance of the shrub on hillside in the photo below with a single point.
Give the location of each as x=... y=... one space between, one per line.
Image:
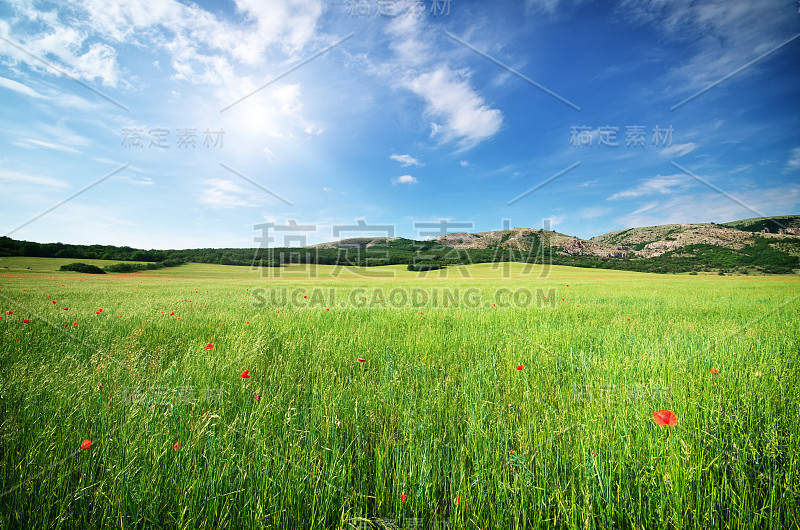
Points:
x=82 y=267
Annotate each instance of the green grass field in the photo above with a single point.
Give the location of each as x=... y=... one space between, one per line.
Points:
x=479 y=404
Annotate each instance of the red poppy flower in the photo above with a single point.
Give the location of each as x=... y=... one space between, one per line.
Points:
x=86 y=444
x=25 y=320
x=74 y=323
x=247 y=322
x=257 y=397
x=714 y=370
x=520 y=367
x=362 y=360
x=208 y=346
x=100 y=310
x=66 y=309
x=665 y=418
x=9 y=312
x=403 y=497
x=176 y=445
x=54 y=302
x=97 y=312
x=246 y=374
x=629 y=319
x=172 y=313
x=458 y=499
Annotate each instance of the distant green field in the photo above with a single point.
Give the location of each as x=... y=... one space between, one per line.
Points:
x=488 y=396
x=49 y=264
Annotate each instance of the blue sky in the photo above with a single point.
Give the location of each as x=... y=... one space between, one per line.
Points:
x=197 y=121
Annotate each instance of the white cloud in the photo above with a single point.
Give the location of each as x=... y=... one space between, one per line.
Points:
x=29 y=142
x=719 y=36
x=202 y=45
x=20 y=88
x=794 y=158
x=221 y=193
x=19 y=177
x=466 y=118
x=406 y=160
x=404 y=179
x=661 y=184
x=678 y=149
x=714 y=207
x=456 y=111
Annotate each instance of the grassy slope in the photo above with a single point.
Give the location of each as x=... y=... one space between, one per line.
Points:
x=427 y=415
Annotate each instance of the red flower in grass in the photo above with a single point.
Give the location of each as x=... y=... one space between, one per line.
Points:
x=9 y=312
x=714 y=370
x=86 y=444
x=208 y=346
x=520 y=367
x=172 y=313
x=362 y=360
x=257 y=397
x=74 y=323
x=97 y=312
x=176 y=445
x=458 y=499
x=66 y=309
x=403 y=497
x=665 y=418
x=54 y=302
x=246 y=374
x=25 y=320
x=100 y=310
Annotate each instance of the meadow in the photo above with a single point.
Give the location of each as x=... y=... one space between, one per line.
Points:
x=479 y=397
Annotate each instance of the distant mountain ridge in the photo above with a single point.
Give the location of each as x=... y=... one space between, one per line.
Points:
x=648 y=241
x=765 y=245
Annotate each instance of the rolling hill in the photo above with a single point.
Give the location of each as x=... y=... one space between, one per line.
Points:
x=764 y=245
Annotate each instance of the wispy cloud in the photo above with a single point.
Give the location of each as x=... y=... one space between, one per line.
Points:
x=678 y=149
x=794 y=158
x=457 y=112
x=16 y=86
x=406 y=160
x=465 y=117
x=661 y=184
x=222 y=194
x=30 y=142
x=712 y=207
x=20 y=177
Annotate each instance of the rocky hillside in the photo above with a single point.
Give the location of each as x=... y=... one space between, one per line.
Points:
x=645 y=242
x=651 y=241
